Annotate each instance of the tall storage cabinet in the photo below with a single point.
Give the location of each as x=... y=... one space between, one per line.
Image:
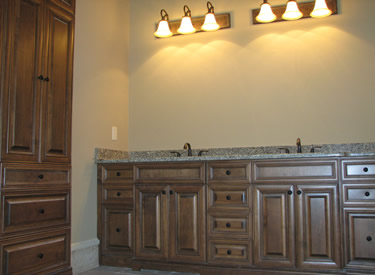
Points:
x=37 y=39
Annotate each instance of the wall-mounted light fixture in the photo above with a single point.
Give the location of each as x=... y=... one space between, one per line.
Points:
x=293 y=11
x=189 y=24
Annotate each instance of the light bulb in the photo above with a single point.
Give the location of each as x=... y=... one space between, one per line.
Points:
x=292 y=12
x=163 y=29
x=186 y=26
x=265 y=15
x=210 y=23
x=320 y=9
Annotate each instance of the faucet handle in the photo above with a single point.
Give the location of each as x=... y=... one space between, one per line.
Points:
x=286 y=150
x=178 y=154
x=315 y=147
x=201 y=152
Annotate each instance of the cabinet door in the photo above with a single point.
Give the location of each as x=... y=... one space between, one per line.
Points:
x=187 y=223
x=57 y=89
x=274 y=226
x=318 y=228
x=151 y=221
x=20 y=84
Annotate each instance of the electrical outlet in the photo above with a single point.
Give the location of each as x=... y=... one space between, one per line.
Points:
x=114 y=133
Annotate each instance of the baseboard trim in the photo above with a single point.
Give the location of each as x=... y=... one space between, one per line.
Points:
x=85 y=256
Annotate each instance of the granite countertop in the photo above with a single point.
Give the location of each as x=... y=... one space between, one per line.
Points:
x=240 y=153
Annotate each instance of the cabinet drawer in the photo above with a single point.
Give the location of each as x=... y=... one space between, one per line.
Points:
x=235 y=225
x=229 y=172
x=116 y=194
x=40 y=254
x=31 y=211
x=229 y=252
x=360 y=237
x=273 y=171
x=359 y=194
x=171 y=172
x=358 y=169
x=228 y=197
x=15 y=176
x=117 y=173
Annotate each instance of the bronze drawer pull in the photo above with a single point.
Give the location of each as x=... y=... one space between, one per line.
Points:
x=118 y=229
x=229 y=198
x=367 y=194
x=369 y=239
x=299 y=192
x=41 y=177
x=229 y=251
x=41 y=211
x=228 y=172
x=365 y=169
x=118 y=174
x=171 y=192
x=118 y=194
x=228 y=225
x=290 y=192
x=163 y=192
x=40 y=256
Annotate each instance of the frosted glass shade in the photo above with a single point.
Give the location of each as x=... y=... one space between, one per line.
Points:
x=186 y=26
x=210 y=23
x=320 y=9
x=292 y=12
x=163 y=29
x=265 y=15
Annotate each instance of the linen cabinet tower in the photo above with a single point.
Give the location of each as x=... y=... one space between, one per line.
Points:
x=36 y=42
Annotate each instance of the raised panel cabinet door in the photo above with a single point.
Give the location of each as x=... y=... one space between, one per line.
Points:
x=57 y=89
x=274 y=226
x=318 y=227
x=68 y=5
x=151 y=221
x=187 y=223
x=20 y=79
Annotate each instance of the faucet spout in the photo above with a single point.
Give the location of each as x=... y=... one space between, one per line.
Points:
x=299 y=147
x=188 y=147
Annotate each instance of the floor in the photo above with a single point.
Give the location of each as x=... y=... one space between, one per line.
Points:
x=109 y=270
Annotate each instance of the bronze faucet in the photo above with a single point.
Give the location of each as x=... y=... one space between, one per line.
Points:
x=299 y=147
x=188 y=147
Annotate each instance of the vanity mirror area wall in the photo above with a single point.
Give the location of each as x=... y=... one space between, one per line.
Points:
x=261 y=216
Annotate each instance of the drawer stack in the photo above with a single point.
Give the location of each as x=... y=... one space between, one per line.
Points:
x=229 y=219
x=35 y=218
x=358 y=201
x=115 y=213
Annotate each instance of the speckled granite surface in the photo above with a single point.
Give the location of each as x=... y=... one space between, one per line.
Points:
x=269 y=152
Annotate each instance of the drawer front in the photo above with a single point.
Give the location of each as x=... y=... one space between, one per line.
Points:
x=273 y=171
x=116 y=173
x=358 y=169
x=172 y=172
x=228 y=197
x=42 y=254
x=15 y=176
x=360 y=237
x=230 y=252
x=116 y=194
x=31 y=211
x=235 y=225
x=359 y=194
x=229 y=172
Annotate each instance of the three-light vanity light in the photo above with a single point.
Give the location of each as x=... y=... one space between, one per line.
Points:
x=189 y=25
x=293 y=11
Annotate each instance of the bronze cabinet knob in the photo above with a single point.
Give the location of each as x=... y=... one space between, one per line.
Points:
x=228 y=172
x=229 y=198
x=365 y=169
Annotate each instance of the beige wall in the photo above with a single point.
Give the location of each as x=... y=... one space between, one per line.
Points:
x=252 y=85
x=100 y=100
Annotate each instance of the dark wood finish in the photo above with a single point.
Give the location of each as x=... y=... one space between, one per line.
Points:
x=117 y=194
x=187 y=223
x=305 y=7
x=318 y=227
x=69 y=5
x=302 y=171
x=118 y=234
x=117 y=174
x=57 y=92
x=24 y=212
x=21 y=87
x=274 y=238
x=43 y=254
x=359 y=226
x=16 y=176
x=170 y=172
x=229 y=197
x=151 y=221
x=233 y=252
x=230 y=172
x=358 y=170
x=359 y=194
x=229 y=224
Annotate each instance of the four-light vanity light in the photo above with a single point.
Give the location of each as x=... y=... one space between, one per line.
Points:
x=292 y=12
x=186 y=25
